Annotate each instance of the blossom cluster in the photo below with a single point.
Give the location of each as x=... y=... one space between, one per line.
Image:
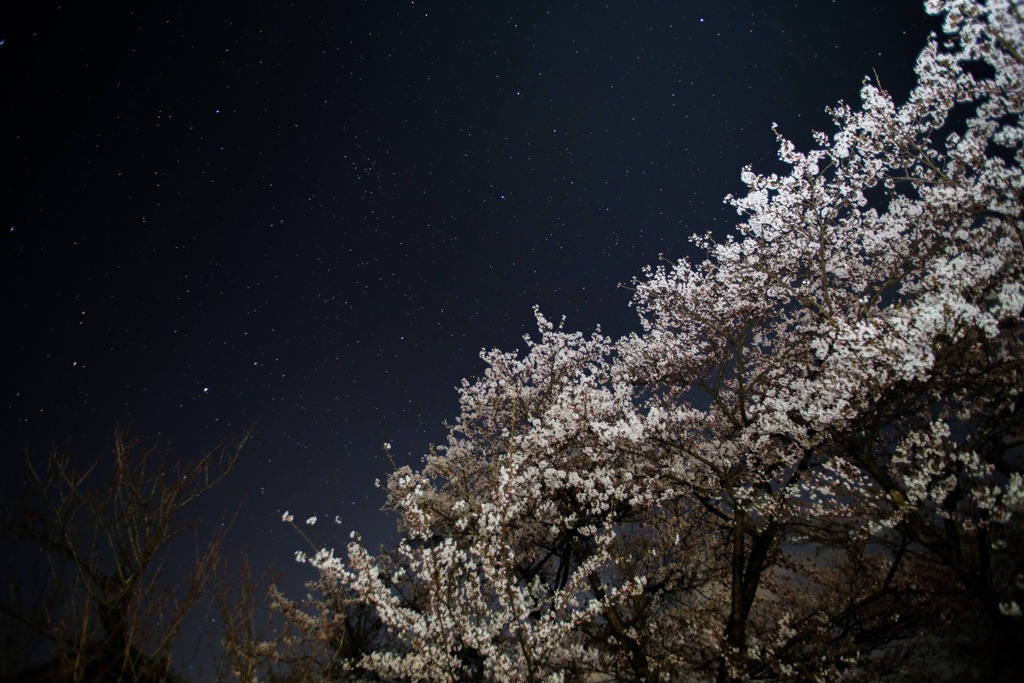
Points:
x=815 y=426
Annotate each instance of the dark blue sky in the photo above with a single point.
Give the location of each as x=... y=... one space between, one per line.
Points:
x=315 y=214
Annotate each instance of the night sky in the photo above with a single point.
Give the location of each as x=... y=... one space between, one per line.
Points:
x=314 y=215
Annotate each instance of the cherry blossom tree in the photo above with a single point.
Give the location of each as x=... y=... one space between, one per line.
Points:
x=807 y=465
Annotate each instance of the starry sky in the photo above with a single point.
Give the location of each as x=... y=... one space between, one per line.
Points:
x=314 y=215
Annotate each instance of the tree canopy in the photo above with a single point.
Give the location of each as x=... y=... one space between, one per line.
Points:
x=807 y=465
